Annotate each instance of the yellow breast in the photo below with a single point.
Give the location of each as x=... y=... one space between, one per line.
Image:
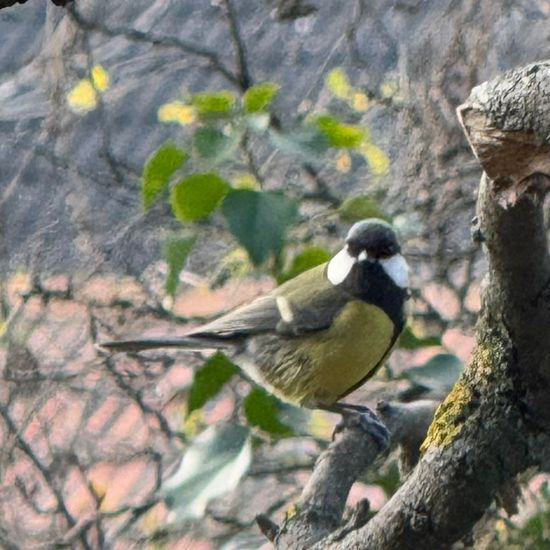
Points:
x=321 y=368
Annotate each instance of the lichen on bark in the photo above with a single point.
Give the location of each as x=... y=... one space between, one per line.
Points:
x=449 y=418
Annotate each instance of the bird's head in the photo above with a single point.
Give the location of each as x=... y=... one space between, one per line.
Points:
x=370 y=240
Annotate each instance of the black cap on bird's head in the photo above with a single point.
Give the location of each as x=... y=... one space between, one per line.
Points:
x=370 y=240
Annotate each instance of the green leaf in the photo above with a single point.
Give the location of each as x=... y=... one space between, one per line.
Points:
x=259 y=97
x=213 y=465
x=340 y=134
x=176 y=251
x=262 y=410
x=259 y=220
x=409 y=340
x=209 y=380
x=308 y=258
x=361 y=208
x=197 y=196
x=211 y=143
x=308 y=143
x=214 y=104
x=439 y=373
x=158 y=170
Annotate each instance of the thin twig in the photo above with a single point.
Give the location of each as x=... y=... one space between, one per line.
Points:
x=46 y=474
x=155 y=40
x=243 y=71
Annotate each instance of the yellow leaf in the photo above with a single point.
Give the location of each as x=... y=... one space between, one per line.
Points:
x=388 y=89
x=343 y=162
x=99 y=489
x=235 y=265
x=320 y=425
x=151 y=522
x=379 y=162
x=176 y=111
x=291 y=511
x=100 y=78
x=246 y=181
x=192 y=423
x=82 y=97
x=360 y=101
x=337 y=82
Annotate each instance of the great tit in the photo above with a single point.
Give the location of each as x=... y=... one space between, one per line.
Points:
x=319 y=336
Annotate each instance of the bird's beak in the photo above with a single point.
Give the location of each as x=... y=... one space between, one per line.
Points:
x=340 y=266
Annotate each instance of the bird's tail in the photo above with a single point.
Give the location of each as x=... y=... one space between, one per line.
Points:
x=142 y=344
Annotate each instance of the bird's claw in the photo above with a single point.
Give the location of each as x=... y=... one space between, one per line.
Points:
x=365 y=419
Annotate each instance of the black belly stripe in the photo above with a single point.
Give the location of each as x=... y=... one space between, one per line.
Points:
x=370 y=282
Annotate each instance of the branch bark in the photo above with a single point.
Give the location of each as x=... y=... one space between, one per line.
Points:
x=320 y=508
x=495 y=423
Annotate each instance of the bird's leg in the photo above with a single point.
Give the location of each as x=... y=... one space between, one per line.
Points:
x=359 y=416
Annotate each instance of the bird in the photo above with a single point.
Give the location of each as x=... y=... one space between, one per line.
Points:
x=319 y=336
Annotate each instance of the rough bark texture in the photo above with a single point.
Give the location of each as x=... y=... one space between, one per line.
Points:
x=495 y=422
x=322 y=503
x=324 y=497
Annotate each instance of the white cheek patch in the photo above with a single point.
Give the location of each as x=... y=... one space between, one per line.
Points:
x=340 y=266
x=398 y=269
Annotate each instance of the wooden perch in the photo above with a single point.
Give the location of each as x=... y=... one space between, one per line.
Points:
x=495 y=423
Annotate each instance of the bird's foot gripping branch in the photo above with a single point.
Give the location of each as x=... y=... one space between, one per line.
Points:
x=496 y=421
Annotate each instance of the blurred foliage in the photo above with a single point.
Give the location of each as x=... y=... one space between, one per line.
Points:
x=204 y=174
x=209 y=380
x=83 y=96
x=197 y=196
x=212 y=465
x=210 y=177
x=176 y=251
x=530 y=533
x=259 y=97
x=361 y=207
x=409 y=340
x=438 y=374
x=262 y=410
x=306 y=259
x=158 y=170
x=387 y=477
x=260 y=221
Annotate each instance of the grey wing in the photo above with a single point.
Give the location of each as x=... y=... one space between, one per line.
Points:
x=262 y=315
x=276 y=313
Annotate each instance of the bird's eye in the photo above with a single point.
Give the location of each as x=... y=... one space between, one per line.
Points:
x=354 y=249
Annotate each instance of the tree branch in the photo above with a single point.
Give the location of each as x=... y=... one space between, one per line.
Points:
x=320 y=508
x=46 y=474
x=243 y=71
x=495 y=422
x=150 y=38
